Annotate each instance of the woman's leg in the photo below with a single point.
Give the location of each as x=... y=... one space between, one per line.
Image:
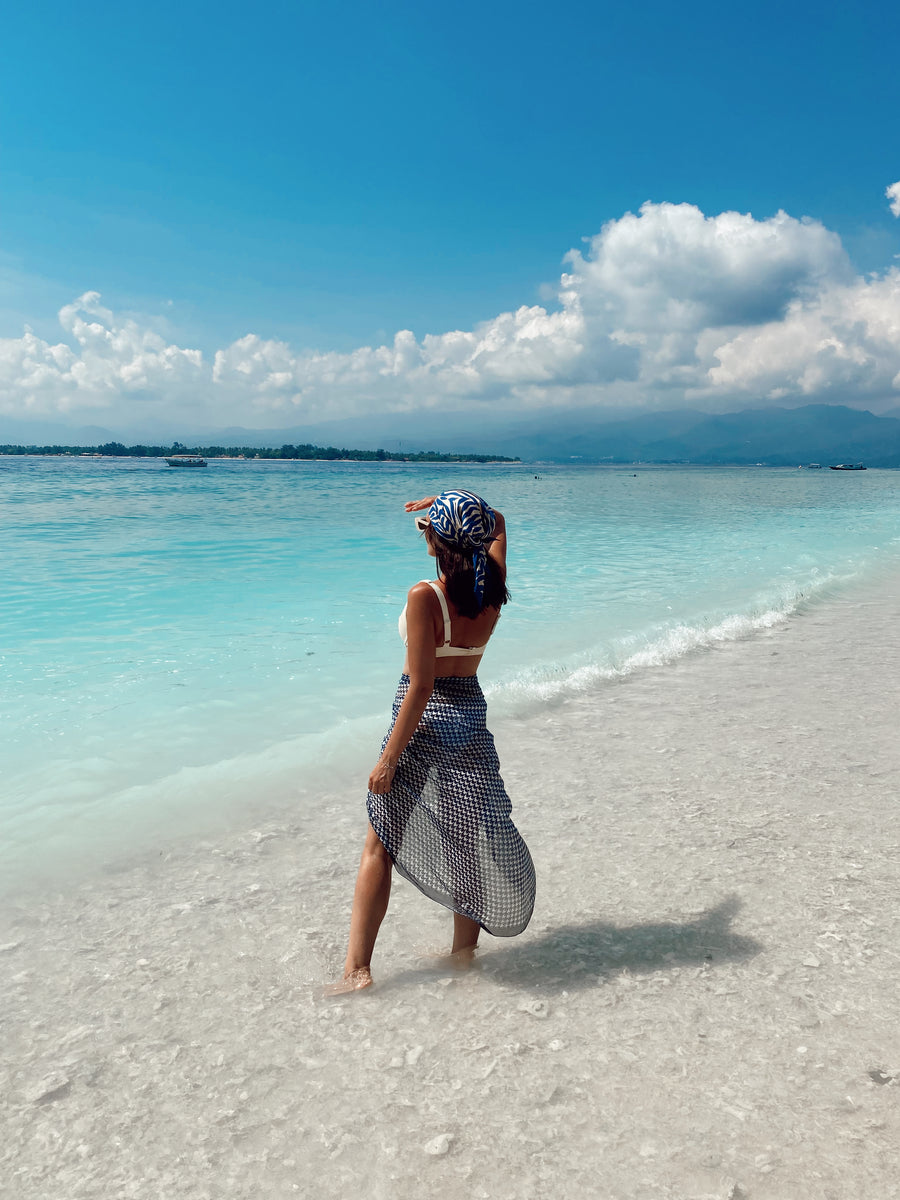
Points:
x=370 y=901
x=465 y=935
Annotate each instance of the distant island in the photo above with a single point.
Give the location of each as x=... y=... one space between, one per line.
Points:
x=306 y=451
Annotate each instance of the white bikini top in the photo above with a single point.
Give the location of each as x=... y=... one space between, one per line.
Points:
x=445 y=651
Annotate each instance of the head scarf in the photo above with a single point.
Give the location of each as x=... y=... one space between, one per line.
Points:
x=467 y=523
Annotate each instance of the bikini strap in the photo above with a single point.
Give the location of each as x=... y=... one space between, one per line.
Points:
x=432 y=583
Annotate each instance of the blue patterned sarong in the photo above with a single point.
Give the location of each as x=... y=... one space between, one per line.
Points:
x=445 y=822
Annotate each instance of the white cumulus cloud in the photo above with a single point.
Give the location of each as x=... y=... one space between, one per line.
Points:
x=670 y=268
x=107 y=362
x=843 y=343
x=893 y=195
x=663 y=307
x=632 y=311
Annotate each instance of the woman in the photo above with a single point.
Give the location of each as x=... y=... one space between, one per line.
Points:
x=438 y=810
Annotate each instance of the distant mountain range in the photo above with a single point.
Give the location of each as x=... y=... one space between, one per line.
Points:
x=820 y=433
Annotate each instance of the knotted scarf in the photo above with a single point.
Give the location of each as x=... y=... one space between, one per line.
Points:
x=467 y=523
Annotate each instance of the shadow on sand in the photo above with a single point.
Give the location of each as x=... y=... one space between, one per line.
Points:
x=571 y=957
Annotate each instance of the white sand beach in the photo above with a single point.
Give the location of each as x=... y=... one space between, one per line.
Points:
x=705 y=1005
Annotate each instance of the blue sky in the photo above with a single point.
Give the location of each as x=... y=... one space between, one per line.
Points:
x=323 y=176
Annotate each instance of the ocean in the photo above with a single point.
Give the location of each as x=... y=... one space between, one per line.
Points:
x=185 y=650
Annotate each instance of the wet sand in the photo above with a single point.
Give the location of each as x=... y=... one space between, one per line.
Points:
x=705 y=1005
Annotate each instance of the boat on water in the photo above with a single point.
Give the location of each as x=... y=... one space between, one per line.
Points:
x=849 y=467
x=186 y=460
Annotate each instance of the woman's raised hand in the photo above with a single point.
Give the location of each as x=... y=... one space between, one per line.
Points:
x=418 y=505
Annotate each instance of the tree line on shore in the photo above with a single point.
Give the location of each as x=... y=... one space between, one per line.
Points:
x=305 y=451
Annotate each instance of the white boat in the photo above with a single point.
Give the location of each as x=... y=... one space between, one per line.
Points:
x=849 y=467
x=186 y=460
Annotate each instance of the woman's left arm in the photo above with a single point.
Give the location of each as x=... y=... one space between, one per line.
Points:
x=420 y=653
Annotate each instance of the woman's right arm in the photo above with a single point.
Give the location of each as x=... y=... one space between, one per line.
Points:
x=420 y=603
x=497 y=548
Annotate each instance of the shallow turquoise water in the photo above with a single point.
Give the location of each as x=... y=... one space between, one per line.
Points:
x=164 y=632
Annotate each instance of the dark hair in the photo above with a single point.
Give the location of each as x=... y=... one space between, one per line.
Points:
x=459 y=578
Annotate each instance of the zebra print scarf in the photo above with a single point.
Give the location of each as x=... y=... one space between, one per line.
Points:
x=464 y=520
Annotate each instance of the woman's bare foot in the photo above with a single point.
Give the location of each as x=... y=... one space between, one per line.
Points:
x=458 y=960
x=353 y=981
x=462 y=959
